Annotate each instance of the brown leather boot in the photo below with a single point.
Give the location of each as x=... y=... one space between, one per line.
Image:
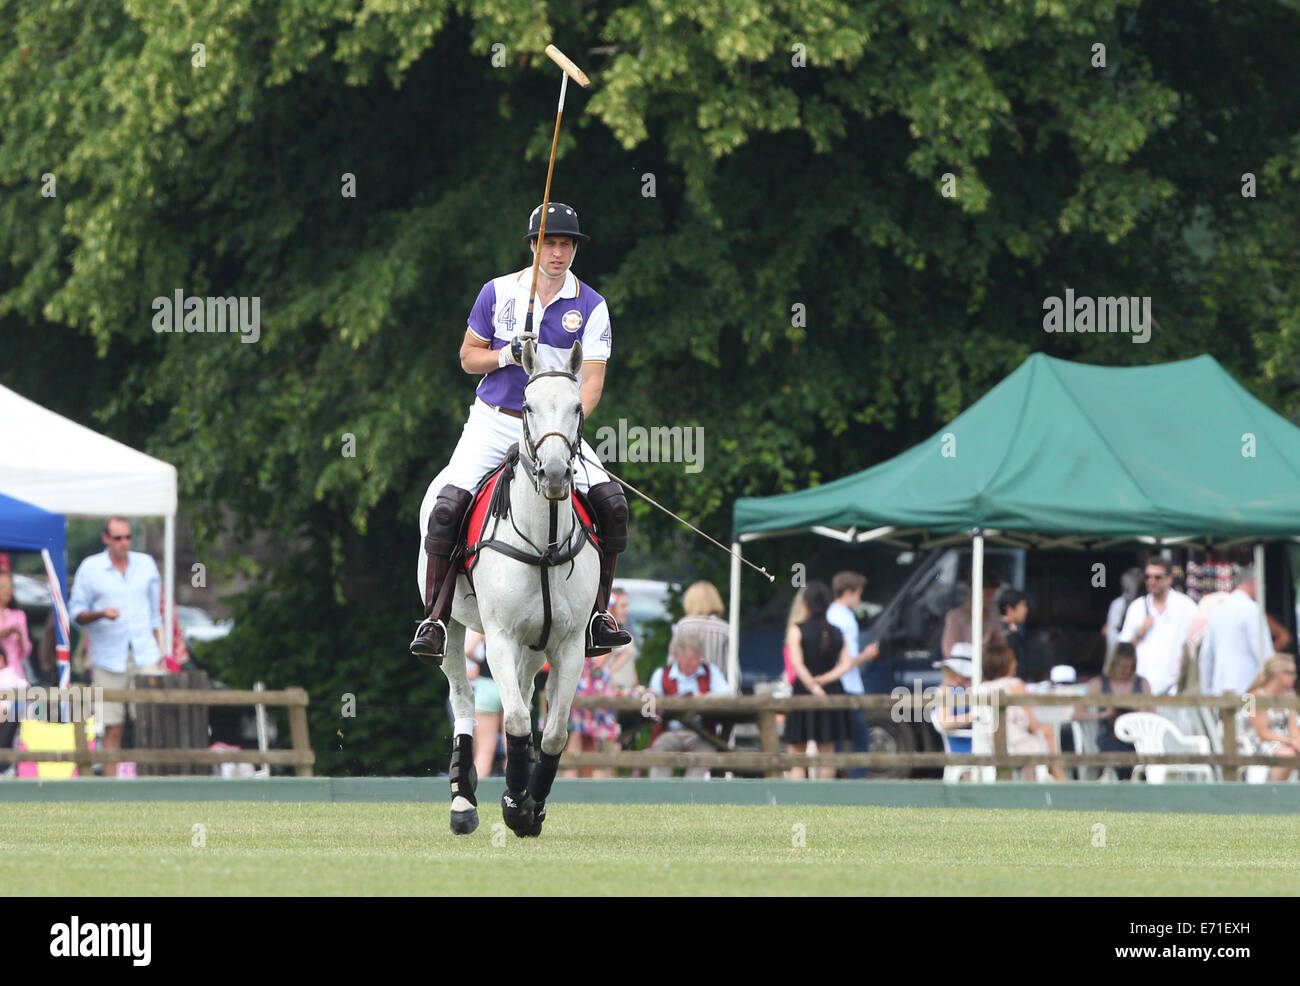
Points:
x=430 y=643
x=610 y=507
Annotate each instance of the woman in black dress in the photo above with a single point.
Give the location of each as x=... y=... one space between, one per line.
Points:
x=819 y=656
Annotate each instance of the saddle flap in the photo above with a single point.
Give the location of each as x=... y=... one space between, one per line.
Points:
x=492 y=499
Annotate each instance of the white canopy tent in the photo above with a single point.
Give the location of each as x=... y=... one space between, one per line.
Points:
x=62 y=466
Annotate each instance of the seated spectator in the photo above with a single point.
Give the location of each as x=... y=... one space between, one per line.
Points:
x=1273 y=732
x=703 y=608
x=1025 y=734
x=952 y=704
x=957 y=623
x=1118 y=677
x=687 y=673
x=621 y=663
x=820 y=656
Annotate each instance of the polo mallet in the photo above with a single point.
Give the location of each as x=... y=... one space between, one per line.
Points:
x=580 y=77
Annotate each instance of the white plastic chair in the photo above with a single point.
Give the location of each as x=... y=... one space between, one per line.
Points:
x=1155 y=735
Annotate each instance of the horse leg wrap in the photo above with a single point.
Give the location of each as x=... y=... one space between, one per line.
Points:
x=464 y=776
x=519 y=756
x=518 y=809
x=543 y=776
x=464 y=779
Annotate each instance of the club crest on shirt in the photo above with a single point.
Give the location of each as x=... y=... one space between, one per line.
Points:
x=572 y=320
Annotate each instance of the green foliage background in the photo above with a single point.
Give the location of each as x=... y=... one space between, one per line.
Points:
x=776 y=185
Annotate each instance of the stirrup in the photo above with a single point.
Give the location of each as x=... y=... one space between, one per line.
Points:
x=430 y=642
x=613 y=635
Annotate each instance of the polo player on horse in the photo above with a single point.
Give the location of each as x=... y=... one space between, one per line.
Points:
x=571 y=311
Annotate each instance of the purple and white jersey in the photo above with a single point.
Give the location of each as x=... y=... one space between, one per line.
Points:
x=577 y=313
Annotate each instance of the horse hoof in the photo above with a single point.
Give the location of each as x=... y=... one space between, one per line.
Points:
x=539 y=816
x=519 y=813
x=464 y=822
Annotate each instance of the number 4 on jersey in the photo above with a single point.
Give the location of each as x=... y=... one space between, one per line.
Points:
x=507 y=316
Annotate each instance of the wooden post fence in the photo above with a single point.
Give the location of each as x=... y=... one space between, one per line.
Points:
x=909 y=706
x=194 y=702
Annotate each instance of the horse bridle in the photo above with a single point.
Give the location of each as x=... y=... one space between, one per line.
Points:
x=530 y=445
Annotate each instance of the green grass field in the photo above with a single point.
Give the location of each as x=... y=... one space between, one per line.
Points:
x=363 y=849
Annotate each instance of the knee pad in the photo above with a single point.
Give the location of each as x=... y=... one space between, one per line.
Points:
x=444 y=522
x=610 y=506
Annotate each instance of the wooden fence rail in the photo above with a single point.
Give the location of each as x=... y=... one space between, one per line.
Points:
x=300 y=756
x=910 y=706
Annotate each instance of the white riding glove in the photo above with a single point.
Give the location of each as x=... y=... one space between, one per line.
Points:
x=511 y=355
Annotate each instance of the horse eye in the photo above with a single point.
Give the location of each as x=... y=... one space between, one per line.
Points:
x=577 y=409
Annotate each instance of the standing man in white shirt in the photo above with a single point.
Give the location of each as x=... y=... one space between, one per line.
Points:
x=847 y=588
x=116 y=597
x=1230 y=657
x=1158 y=625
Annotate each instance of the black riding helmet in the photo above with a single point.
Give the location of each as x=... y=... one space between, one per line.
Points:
x=561 y=220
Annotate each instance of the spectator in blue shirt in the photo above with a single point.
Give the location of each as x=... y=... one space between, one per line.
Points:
x=116 y=597
x=847 y=588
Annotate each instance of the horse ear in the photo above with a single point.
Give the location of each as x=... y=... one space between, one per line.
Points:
x=529 y=358
x=575 y=358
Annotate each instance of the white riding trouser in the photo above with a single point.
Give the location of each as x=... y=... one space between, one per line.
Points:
x=483 y=442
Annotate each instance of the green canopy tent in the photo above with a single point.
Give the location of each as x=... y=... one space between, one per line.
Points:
x=1066 y=454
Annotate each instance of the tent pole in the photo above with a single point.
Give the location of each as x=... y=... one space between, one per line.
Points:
x=977 y=608
x=1265 y=640
x=733 y=619
x=169 y=563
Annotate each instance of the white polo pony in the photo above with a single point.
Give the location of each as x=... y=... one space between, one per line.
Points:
x=533 y=587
